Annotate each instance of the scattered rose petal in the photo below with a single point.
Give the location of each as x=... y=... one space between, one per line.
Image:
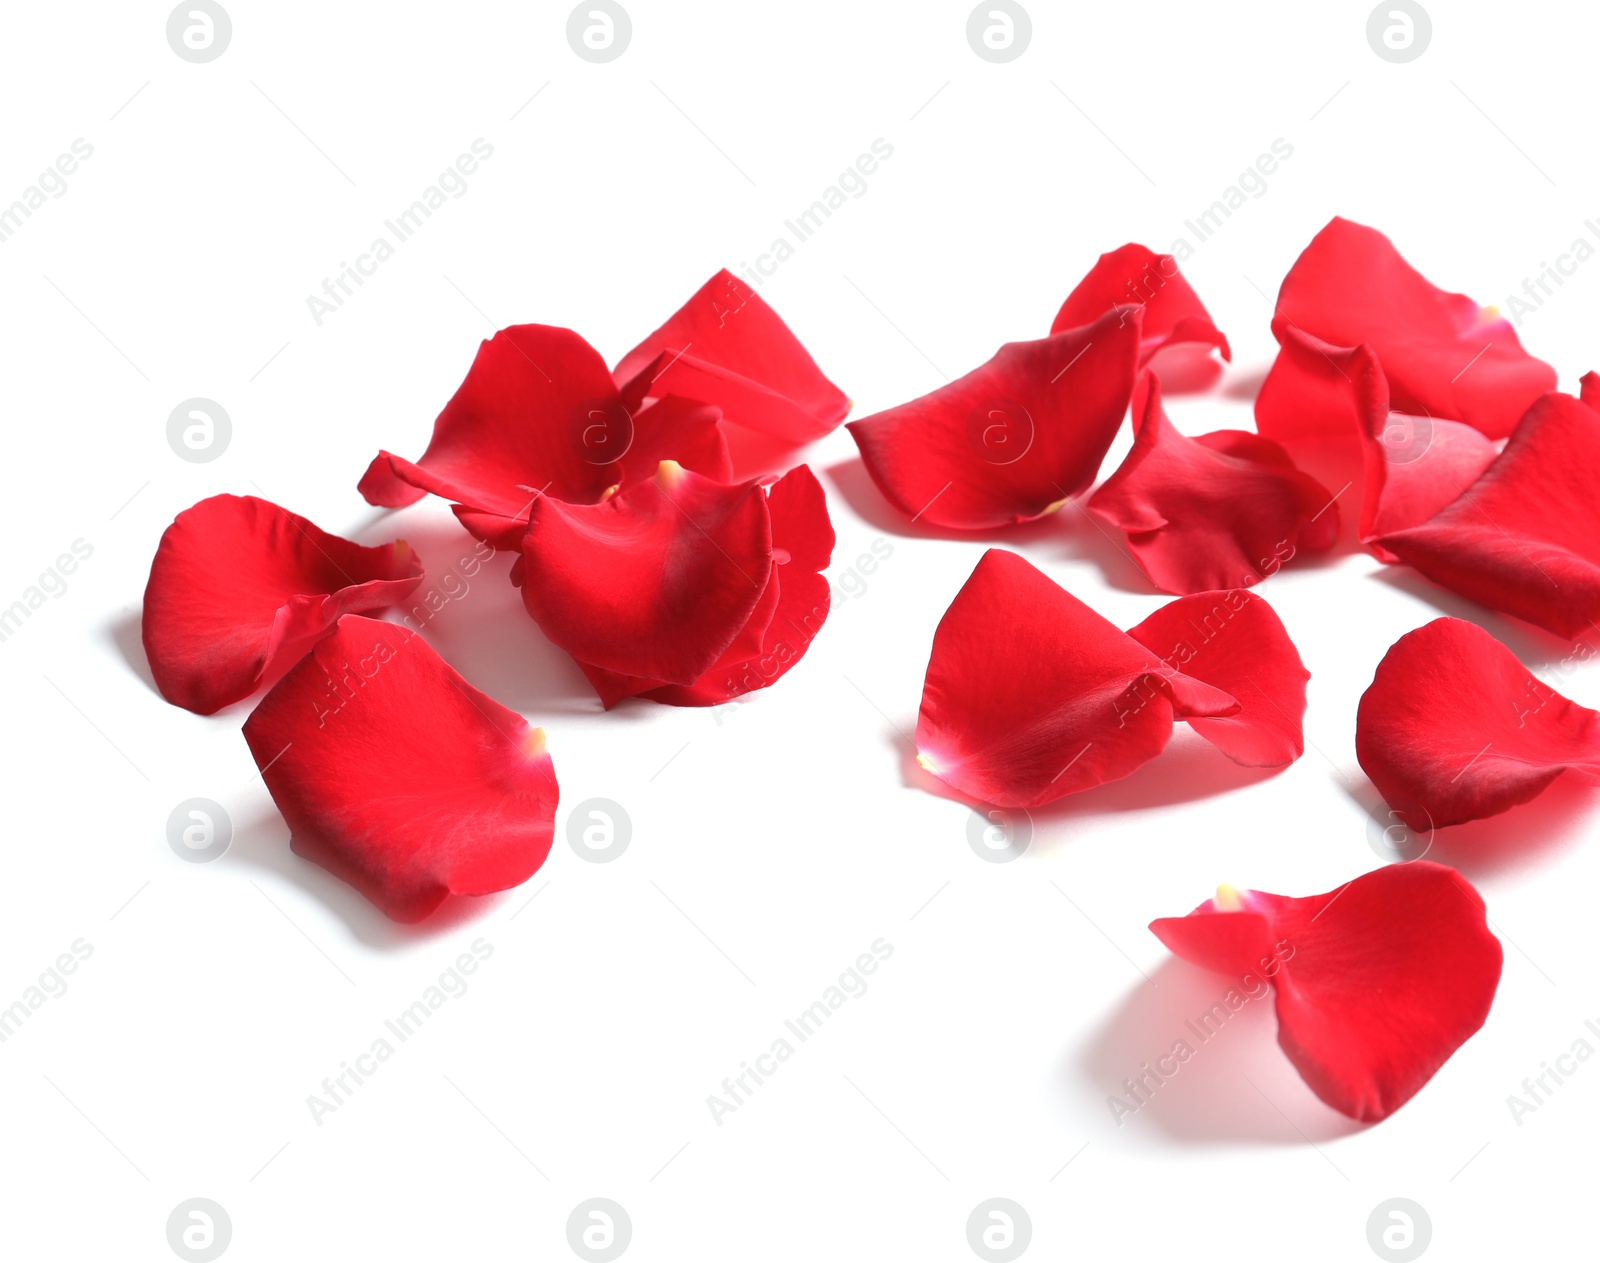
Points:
x=1412 y=466
x=1377 y=983
x=1030 y=695
x=1012 y=440
x=539 y=415
x=1525 y=537
x=657 y=581
x=1445 y=357
x=1223 y=510
x=1234 y=641
x=727 y=347
x=785 y=621
x=398 y=776
x=1137 y=275
x=1454 y=728
x=240 y=588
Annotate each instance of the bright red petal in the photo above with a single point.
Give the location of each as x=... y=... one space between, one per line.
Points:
x=1136 y=275
x=1445 y=357
x=655 y=582
x=1412 y=465
x=240 y=588
x=1377 y=982
x=1525 y=537
x=1235 y=642
x=729 y=348
x=1454 y=728
x=538 y=414
x=1011 y=440
x=1030 y=695
x=788 y=618
x=1221 y=511
x=398 y=776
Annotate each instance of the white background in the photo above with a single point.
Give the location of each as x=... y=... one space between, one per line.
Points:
x=774 y=842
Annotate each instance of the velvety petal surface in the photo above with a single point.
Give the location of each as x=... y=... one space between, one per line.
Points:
x=1234 y=641
x=1011 y=440
x=1137 y=275
x=1445 y=356
x=1525 y=537
x=1223 y=510
x=539 y=415
x=1454 y=728
x=398 y=776
x=728 y=347
x=240 y=588
x=1030 y=695
x=655 y=582
x=1377 y=983
x=1412 y=466
x=790 y=614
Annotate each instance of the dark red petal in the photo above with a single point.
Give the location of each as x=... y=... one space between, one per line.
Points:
x=729 y=348
x=538 y=414
x=1453 y=727
x=1134 y=274
x=1377 y=982
x=1525 y=537
x=1011 y=440
x=802 y=545
x=656 y=581
x=398 y=776
x=1445 y=357
x=677 y=429
x=1030 y=695
x=1221 y=511
x=659 y=429
x=240 y=588
x=1235 y=642
x=1412 y=465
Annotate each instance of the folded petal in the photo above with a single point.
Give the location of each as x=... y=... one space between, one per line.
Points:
x=785 y=621
x=1412 y=466
x=398 y=776
x=726 y=346
x=1224 y=510
x=240 y=588
x=539 y=414
x=1454 y=728
x=1137 y=275
x=1525 y=537
x=1012 y=440
x=1445 y=357
x=655 y=582
x=1030 y=695
x=1377 y=983
x=1235 y=642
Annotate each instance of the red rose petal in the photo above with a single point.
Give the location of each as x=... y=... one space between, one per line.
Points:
x=398 y=776
x=1444 y=356
x=729 y=348
x=1454 y=727
x=1030 y=695
x=1011 y=440
x=1412 y=466
x=240 y=587
x=539 y=414
x=775 y=639
x=1377 y=983
x=1234 y=641
x=1221 y=511
x=1134 y=274
x=1525 y=537
x=655 y=582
